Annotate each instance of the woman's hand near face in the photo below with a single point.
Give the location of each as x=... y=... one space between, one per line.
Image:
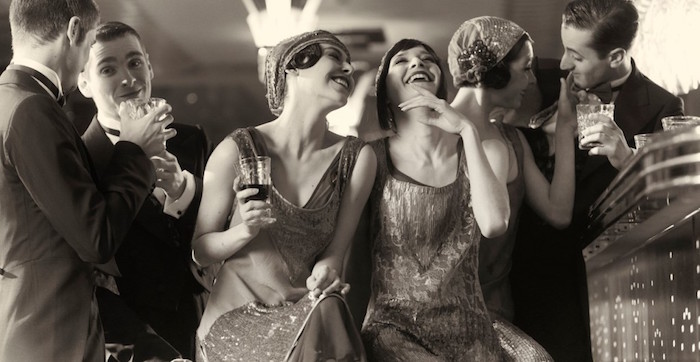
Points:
x=445 y=117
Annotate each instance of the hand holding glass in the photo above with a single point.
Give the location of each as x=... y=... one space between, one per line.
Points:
x=255 y=173
x=587 y=115
x=139 y=108
x=642 y=139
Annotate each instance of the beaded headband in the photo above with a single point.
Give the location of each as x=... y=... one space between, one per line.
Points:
x=279 y=57
x=478 y=45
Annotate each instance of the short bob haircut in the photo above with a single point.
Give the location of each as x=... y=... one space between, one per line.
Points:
x=613 y=23
x=384 y=113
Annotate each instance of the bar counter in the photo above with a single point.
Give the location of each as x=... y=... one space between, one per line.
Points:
x=643 y=263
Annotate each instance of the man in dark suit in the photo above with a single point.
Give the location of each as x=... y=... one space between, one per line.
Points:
x=548 y=276
x=155 y=277
x=57 y=217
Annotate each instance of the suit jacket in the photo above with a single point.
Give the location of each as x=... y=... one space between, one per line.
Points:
x=56 y=220
x=548 y=278
x=155 y=259
x=639 y=107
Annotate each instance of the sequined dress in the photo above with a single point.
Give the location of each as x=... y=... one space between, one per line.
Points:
x=259 y=300
x=426 y=299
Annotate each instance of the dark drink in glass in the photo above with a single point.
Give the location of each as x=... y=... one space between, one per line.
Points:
x=263 y=191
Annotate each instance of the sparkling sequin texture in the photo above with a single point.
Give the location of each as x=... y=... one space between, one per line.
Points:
x=478 y=45
x=427 y=298
x=271 y=272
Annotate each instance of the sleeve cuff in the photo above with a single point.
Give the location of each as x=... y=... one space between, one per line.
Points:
x=177 y=207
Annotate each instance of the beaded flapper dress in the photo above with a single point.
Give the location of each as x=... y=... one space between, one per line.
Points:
x=495 y=261
x=427 y=303
x=259 y=301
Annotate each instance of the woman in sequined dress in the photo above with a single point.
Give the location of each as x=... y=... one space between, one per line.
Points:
x=434 y=194
x=271 y=275
x=490 y=60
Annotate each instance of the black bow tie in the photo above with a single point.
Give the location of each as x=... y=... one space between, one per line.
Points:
x=112 y=131
x=603 y=91
x=60 y=98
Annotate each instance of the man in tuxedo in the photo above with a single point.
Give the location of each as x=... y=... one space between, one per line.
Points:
x=155 y=278
x=548 y=276
x=57 y=217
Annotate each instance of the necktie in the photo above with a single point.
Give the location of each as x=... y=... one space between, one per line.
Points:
x=60 y=98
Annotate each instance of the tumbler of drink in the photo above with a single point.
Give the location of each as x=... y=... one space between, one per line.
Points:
x=642 y=139
x=138 y=107
x=255 y=174
x=587 y=115
x=675 y=122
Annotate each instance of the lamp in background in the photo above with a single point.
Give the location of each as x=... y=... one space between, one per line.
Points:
x=278 y=20
x=666 y=46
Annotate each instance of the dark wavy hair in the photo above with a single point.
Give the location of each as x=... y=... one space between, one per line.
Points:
x=383 y=111
x=499 y=76
x=613 y=23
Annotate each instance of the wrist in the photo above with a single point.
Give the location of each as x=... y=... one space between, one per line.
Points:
x=179 y=189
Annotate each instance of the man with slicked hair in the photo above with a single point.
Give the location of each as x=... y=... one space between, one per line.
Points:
x=57 y=218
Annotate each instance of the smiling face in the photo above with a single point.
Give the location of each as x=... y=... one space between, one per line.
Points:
x=521 y=76
x=330 y=79
x=585 y=64
x=116 y=71
x=414 y=66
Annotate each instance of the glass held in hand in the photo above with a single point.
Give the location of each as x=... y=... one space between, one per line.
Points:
x=255 y=173
x=676 y=122
x=642 y=139
x=587 y=115
x=139 y=108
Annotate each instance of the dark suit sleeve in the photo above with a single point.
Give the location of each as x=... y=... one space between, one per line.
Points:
x=52 y=163
x=672 y=108
x=198 y=149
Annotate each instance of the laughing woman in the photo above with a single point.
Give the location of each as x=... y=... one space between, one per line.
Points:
x=434 y=195
x=273 y=276
x=490 y=60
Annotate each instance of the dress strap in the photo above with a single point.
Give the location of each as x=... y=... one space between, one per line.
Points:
x=245 y=143
x=348 y=158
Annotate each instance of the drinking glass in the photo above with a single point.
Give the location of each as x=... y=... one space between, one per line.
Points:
x=675 y=122
x=587 y=116
x=138 y=107
x=642 y=139
x=255 y=174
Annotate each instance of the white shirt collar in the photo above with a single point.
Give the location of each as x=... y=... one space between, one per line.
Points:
x=46 y=71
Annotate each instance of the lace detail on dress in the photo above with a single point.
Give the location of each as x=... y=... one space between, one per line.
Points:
x=425 y=282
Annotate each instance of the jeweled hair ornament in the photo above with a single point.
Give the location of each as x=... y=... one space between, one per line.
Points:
x=478 y=45
x=279 y=57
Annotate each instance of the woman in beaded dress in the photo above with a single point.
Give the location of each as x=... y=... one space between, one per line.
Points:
x=272 y=275
x=434 y=194
x=490 y=60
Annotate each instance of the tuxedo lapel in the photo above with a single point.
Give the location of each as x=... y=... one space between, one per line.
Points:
x=150 y=216
x=99 y=146
x=632 y=105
